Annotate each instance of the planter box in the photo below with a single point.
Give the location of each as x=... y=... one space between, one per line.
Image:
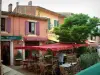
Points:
x=18 y=62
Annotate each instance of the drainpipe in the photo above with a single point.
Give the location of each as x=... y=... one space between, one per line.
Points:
x=0 y=36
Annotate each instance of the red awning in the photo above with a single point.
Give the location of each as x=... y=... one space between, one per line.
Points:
x=53 y=47
x=35 y=38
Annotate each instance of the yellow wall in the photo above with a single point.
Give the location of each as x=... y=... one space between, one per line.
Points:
x=41 y=13
x=52 y=17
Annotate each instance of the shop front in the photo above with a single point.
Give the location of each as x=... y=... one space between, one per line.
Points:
x=7 y=49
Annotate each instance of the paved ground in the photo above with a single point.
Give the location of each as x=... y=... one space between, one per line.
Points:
x=24 y=71
x=9 y=71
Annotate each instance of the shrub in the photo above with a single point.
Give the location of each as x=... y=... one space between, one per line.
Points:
x=81 y=51
x=88 y=59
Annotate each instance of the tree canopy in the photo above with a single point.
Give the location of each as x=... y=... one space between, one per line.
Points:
x=76 y=28
x=96 y=31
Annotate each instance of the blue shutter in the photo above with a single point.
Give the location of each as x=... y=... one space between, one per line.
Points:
x=37 y=28
x=8 y=25
x=26 y=27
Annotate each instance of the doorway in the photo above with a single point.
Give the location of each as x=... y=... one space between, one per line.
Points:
x=31 y=43
x=5 y=52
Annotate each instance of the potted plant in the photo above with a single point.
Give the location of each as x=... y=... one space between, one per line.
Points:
x=18 y=58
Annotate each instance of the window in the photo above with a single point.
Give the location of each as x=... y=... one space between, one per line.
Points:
x=32 y=27
x=2 y=24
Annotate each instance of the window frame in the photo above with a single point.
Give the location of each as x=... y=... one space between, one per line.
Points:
x=56 y=23
x=30 y=32
x=4 y=24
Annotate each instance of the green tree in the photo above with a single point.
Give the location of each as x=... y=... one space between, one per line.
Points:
x=94 y=26
x=95 y=31
x=76 y=28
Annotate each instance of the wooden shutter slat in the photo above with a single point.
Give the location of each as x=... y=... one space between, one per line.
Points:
x=26 y=27
x=8 y=25
x=37 y=28
x=49 y=27
x=55 y=23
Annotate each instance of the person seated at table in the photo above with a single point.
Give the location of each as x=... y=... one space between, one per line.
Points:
x=60 y=58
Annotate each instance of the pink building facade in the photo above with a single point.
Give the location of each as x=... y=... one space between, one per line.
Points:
x=26 y=26
x=54 y=19
x=20 y=30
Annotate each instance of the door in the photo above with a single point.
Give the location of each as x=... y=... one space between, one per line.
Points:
x=5 y=52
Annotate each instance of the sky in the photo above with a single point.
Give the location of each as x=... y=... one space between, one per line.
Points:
x=90 y=7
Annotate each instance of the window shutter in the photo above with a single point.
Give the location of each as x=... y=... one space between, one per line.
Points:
x=49 y=27
x=26 y=27
x=37 y=28
x=55 y=23
x=8 y=25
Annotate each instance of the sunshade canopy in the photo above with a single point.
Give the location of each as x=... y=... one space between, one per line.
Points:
x=53 y=47
x=93 y=70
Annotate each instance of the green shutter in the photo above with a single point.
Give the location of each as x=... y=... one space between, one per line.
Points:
x=55 y=23
x=49 y=27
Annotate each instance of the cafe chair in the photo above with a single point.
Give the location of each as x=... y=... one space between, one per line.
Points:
x=54 y=68
x=42 y=69
x=36 y=68
x=76 y=68
x=63 y=71
x=24 y=64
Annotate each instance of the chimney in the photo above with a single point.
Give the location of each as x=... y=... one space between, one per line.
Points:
x=17 y=4
x=10 y=7
x=30 y=3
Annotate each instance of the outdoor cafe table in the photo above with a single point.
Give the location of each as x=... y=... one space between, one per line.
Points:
x=44 y=64
x=66 y=65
